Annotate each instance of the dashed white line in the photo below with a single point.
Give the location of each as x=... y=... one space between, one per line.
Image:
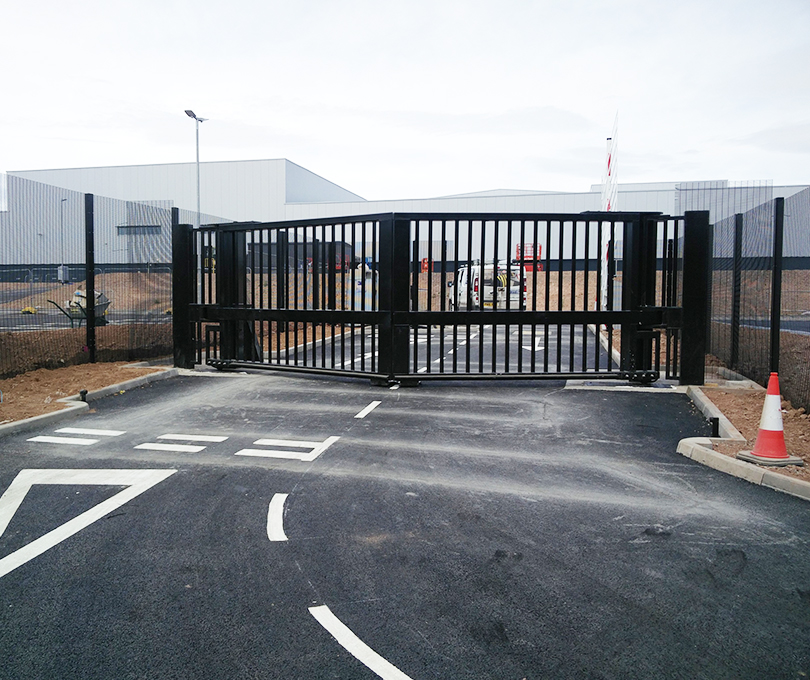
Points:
x=275 y=518
x=75 y=441
x=180 y=448
x=193 y=437
x=355 y=646
x=368 y=409
x=85 y=430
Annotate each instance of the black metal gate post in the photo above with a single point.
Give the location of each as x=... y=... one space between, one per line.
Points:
x=90 y=269
x=638 y=291
x=394 y=337
x=697 y=254
x=238 y=341
x=184 y=271
x=776 y=281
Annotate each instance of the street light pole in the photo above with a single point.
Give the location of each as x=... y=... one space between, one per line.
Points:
x=197 y=120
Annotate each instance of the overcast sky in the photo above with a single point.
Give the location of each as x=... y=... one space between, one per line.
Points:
x=414 y=98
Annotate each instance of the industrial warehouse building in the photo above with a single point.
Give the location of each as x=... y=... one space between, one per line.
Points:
x=275 y=190
x=43 y=216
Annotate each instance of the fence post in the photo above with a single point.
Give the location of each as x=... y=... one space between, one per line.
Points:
x=90 y=276
x=776 y=281
x=183 y=276
x=697 y=253
x=736 y=291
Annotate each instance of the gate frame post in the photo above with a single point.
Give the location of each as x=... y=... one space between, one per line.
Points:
x=237 y=339
x=395 y=283
x=183 y=275
x=639 y=266
x=697 y=259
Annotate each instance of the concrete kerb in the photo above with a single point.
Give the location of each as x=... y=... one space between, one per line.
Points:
x=74 y=404
x=700 y=450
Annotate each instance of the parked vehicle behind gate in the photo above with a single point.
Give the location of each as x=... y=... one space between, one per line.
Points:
x=475 y=288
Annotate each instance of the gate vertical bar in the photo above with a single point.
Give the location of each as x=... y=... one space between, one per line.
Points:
x=697 y=251
x=183 y=275
x=90 y=267
x=736 y=290
x=776 y=281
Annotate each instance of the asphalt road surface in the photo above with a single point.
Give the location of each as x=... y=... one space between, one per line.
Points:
x=265 y=526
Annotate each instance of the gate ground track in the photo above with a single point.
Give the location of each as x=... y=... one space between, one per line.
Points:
x=474 y=351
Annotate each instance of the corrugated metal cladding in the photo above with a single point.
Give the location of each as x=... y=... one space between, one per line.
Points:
x=277 y=189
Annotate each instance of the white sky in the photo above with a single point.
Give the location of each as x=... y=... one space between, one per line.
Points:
x=414 y=98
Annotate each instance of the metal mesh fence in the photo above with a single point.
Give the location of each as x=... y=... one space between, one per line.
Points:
x=44 y=272
x=742 y=303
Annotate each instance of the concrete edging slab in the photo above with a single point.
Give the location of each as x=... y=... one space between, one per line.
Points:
x=699 y=449
x=75 y=406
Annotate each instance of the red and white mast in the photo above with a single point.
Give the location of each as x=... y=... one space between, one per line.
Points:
x=609 y=192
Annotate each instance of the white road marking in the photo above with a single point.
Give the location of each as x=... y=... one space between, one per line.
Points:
x=275 y=518
x=193 y=437
x=368 y=409
x=180 y=448
x=136 y=481
x=537 y=345
x=355 y=646
x=84 y=430
x=76 y=441
x=422 y=370
x=317 y=449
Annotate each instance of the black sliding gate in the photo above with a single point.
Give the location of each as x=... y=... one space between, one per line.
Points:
x=409 y=297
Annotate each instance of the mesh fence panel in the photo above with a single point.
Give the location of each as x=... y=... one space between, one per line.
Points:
x=755 y=292
x=43 y=278
x=41 y=262
x=722 y=290
x=794 y=342
x=755 y=271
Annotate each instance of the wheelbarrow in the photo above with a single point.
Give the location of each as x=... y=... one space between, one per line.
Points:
x=76 y=308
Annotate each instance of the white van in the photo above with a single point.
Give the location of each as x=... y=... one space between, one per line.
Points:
x=473 y=289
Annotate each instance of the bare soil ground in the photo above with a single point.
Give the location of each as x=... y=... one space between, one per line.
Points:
x=38 y=392
x=743 y=407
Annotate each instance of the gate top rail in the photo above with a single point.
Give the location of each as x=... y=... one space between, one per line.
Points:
x=587 y=216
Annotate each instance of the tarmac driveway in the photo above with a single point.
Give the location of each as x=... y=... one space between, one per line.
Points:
x=266 y=526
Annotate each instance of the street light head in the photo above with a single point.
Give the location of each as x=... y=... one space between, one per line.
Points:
x=190 y=114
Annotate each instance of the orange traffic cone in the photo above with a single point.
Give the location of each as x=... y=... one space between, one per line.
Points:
x=770 y=448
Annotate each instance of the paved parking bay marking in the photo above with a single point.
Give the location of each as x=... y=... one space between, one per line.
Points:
x=193 y=437
x=75 y=441
x=355 y=646
x=368 y=409
x=275 y=518
x=135 y=481
x=180 y=448
x=85 y=430
x=317 y=448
